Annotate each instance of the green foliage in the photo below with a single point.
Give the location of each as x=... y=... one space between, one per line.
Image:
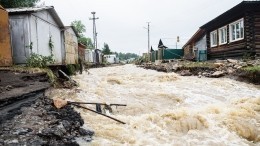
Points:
x=18 y=3
x=51 y=45
x=252 y=69
x=71 y=69
x=87 y=42
x=251 y=73
x=52 y=77
x=125 y=56
x=199 y=65
x=36 y=60
x=79 y=26
x=106 y=50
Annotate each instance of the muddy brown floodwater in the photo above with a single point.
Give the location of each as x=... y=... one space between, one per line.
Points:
x=167 y=109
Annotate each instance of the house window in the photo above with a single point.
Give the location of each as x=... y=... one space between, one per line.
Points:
x=236 y=30
x=222 y=35
x=213 y=39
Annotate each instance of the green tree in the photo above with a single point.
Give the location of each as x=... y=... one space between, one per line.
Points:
x=18 y=3
x=125 y=56
x=86 y=41
x=106 y=49
x=79 y=26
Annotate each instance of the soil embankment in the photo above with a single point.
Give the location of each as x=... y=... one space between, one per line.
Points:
x=28 y=117
x=247 y=71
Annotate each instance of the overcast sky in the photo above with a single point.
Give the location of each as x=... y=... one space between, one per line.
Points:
x=121 y=22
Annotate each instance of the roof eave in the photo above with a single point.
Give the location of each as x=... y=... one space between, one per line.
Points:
x=200 y=33
x=56 y=17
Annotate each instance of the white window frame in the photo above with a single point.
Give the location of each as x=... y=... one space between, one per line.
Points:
x=242 y=33
x=220 y=35
x=211 y=38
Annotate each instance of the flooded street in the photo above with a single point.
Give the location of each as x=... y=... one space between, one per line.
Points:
x=167 y=109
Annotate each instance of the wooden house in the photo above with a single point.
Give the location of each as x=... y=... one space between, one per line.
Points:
x=5 y=44
x=36 y=30
x=233 y=34
x=70 y=45
x=196 y=47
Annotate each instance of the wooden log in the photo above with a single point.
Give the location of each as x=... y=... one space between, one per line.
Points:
x=76 y=105
x=67 y=77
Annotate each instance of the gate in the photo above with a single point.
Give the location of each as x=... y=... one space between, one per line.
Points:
x=202 y=55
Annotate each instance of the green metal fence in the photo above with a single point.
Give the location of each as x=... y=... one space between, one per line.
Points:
x=172 y=54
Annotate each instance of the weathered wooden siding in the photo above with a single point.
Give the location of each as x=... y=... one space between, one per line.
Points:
x=230 y=49
x=81 y=49
x=5 y=44
x=188 y=52
x=71 y=46
x=257 y=32
x=250 y=45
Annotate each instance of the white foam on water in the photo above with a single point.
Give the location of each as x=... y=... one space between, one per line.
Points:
x=167 y=109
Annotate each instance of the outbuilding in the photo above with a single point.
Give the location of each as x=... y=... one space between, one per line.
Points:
x=89 y=56
x=111 y=58
x=71 y=45
x=36 y=30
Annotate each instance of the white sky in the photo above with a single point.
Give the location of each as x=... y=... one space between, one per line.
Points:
x=121 y=22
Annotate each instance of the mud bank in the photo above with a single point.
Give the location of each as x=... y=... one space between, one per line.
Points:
x=42 y=124
x=246 y=71
x=28 y=117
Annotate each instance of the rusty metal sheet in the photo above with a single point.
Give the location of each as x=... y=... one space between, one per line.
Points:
x=81 y=49
x=5 y=44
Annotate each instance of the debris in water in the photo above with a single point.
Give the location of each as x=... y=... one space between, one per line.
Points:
x=59 y=103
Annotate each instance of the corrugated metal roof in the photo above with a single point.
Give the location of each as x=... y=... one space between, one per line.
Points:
x=50 y=9
x=29 y=9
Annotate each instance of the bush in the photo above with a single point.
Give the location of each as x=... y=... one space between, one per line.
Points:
x=36 y=60
x=252 y=69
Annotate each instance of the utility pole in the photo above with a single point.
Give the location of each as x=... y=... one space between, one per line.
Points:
x=148 y=36
x=94 y=29
x=148 y=28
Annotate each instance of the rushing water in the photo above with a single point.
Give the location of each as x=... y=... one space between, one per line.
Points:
x=167 y=109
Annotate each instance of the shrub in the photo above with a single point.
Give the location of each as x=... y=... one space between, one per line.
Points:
x=36 y=60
